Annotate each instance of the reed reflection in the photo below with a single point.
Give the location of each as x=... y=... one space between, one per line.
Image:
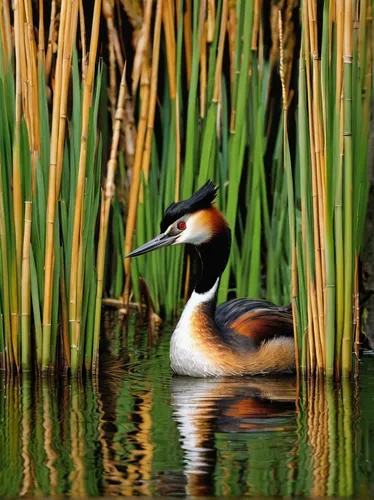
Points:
x=328 y=425
x=139 y=431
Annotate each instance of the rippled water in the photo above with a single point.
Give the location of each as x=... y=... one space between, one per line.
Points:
x=140 y=431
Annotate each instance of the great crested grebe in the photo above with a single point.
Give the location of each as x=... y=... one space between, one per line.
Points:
x=238 y=337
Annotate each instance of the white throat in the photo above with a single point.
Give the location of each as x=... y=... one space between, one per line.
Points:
x=187 y=355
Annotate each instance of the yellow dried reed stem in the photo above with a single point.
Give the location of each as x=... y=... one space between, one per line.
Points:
x=232 y=28
x=70 y=36
x=25 y=289
x=82 y=26
x=210 y=21
x=112 y=78
x=221 y=46
x=142 y=46
x=51 y=35
x=106 y=201
x=107 y=9
x=170 y=45
x=129 y=132
x=318 y=174
x=77 y=228
x=317 y=299
x=187 y=20
x=203 y=71
x=32 y=101
x=52 y=197
x=8 y=45
x=135 y=182
x=177 y=151
x=4 y=41
x=153 y=90
x=41 y=43
x=17 y=193
x=256 y=24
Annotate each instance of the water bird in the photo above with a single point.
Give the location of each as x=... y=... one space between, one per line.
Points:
x=239 y=337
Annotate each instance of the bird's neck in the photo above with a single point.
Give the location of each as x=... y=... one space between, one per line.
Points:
x=214 y=256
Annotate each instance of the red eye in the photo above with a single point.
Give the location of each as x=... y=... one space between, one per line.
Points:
x=181 y=225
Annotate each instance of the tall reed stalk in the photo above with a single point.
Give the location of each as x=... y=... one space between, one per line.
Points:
x=332 y=109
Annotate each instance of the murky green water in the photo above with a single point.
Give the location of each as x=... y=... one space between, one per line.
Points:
x=144 y=432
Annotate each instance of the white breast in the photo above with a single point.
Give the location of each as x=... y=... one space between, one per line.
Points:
x=187 y=355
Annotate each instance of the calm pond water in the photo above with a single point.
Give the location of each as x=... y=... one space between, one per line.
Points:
x=141 y=431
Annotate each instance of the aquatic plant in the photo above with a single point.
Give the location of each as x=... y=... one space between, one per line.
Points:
x=186 y=91
x=334 y=96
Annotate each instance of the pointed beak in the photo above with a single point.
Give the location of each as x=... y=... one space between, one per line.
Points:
x=162 y=240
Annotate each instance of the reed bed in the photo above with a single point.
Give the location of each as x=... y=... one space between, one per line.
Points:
x=93 y=150
x=335 y=91
x=51 y=155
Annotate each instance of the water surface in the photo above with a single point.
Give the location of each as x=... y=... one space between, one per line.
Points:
x=141 y=431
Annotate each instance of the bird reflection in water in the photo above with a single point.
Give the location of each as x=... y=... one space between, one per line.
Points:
x=211 y=413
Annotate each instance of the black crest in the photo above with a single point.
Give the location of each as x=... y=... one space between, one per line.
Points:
x=203 y=198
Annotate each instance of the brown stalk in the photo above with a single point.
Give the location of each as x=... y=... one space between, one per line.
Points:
x=87 y=102
x=177 y=151
x=106 y=201
x=8 y=46
x=203 y=71
x=187 y=39
x=153 y=90
x=69 y=41
x=256 y=23
x=129 y=132
x=142 y=46
x=52 y=197
x=320 y=172
x=25 y=269
x=310 y=329
x=51 y=34
x=211 y=21
x=317 y=306
x=4 y=41
x=187 y=279
x=112 y=76
x=41 y=44
x=17 y=194
x=82 y=26
x=135 y=181
x=232 y=28
x=170 y=45
x=221 y=46
x=107 y=9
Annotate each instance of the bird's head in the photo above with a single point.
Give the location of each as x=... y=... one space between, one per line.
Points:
x=194 y=221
